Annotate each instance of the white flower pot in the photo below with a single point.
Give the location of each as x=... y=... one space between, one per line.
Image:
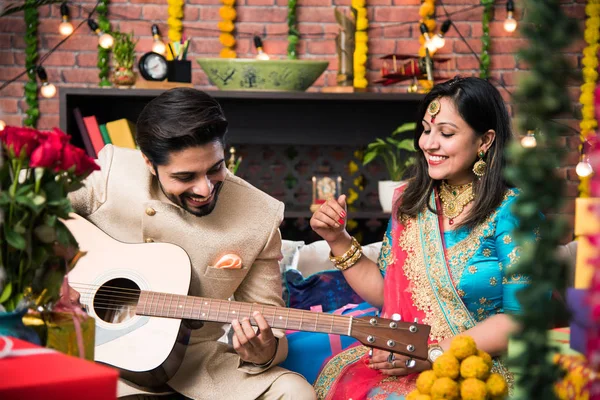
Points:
x=386 y=194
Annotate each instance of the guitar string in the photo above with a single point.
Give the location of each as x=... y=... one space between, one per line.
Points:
x=106 y=295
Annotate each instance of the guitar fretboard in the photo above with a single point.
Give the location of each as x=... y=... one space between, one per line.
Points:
x=199 y=308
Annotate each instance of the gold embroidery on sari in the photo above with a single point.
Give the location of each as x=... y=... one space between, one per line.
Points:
x=463 y=251
x=398 y=385
x=431 y=283
x=385 y=258
x=334 y=367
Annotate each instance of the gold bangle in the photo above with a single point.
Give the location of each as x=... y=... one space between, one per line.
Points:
x=351 y=251
x=351 y=261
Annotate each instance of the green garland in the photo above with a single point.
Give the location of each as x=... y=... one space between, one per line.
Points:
x=541 y=96
x=293 y=34
x=31 y=56
x=484 y=60
x=103 y=54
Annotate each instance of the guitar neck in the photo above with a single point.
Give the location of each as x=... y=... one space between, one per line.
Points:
x=199 y=308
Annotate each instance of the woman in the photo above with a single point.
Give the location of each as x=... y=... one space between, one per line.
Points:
x=447 y=254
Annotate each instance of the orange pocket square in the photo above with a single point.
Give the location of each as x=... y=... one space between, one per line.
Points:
x=229 y=261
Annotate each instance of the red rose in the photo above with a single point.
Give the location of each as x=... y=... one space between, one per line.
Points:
x=49 y=152
x=75 y=157
x=20 y=140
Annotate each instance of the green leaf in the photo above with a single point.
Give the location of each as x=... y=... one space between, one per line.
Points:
x=6 y=292
x=406 y=127
x=370 y=156
x=13 y=238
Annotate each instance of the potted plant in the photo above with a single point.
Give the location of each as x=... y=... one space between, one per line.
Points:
x=395 y=153
x=124 y=58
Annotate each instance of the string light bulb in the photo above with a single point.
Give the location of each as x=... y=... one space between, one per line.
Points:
x=438 y=40
x=65 y=28
x=259 y=48
x=510 y=24
x=584 y=168
x=158 y=46
x=47 y=90
x=428 y=42
x=528 y=141
x=105 y=40
x=2 y=125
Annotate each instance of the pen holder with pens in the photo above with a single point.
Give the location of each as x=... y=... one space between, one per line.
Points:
x=179 y=71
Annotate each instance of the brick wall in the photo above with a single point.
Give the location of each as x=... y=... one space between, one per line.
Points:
x=74 y=64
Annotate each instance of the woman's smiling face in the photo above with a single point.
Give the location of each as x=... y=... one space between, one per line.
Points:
x=450 y=145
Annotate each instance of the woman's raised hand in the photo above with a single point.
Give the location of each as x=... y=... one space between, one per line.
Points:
x=329 y=221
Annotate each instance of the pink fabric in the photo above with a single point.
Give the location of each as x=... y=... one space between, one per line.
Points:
x=334 y=340
x=357 y=379
x=64 y=304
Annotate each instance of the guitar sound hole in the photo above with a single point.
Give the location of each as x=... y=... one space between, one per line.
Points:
x=116 y=300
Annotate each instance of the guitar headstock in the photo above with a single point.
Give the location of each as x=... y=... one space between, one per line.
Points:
x=406 y=338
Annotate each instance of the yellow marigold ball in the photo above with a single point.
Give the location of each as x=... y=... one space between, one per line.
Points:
x=227 y=39
x=361 y=37
x=446 y=365
x=463 y=346
x=360 y=83
x=226 y=26
x=362 y=24
x=473 y=389
x=422 y=52
x=496 y=386
x=425 y=381
x=426 y=9
x=228 y=13
x=485 y=357
x=227 y=53
x=413 y=395
x=430 y=23
x=423 y=397
x=358 y=4
x=474 y=367
x=445 y=388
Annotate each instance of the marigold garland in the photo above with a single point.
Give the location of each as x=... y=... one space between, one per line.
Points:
x=174 y=21
x=588 y=122
x=227 y=26
x=427 y=14
x=361 y=49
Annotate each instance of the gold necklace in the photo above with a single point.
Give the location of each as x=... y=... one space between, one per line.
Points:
x=454 y=199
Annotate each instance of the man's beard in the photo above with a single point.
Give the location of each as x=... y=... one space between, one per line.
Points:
x=197 y=211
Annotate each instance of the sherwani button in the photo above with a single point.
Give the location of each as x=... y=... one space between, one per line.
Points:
x=149 y=240
x=150 y=211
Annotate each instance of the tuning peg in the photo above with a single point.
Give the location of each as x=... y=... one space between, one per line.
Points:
x=416 y=321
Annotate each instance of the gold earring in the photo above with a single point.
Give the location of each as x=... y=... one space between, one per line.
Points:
x=480 y=166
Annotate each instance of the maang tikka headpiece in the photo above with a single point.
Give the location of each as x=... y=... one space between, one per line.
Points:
x=434 y=108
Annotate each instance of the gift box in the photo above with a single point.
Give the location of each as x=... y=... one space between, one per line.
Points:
x=587 y=223
x=57 y=331
x=580 y=317
x=53 y=375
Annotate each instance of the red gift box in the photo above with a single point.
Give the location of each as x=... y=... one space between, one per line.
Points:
x=54 y=375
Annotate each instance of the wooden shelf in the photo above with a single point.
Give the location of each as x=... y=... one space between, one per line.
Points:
x=283 y=118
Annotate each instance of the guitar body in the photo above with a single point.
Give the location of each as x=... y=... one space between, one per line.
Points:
x=147 y=350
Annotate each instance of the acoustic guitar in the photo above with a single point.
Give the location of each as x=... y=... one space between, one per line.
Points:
x=137 y=294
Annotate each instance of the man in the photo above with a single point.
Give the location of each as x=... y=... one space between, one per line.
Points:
x=178 y=190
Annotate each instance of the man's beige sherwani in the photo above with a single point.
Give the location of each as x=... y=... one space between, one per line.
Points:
x=124 y=200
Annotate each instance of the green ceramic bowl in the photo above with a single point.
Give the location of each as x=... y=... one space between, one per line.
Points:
x=251 y=74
